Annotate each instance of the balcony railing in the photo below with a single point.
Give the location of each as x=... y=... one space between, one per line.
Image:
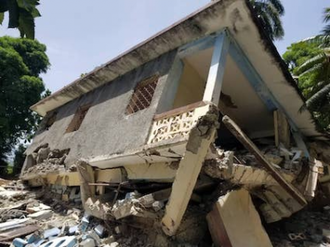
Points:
x=177 y=122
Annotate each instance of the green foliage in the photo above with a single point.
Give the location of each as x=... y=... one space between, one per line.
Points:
x=310 y=61
x=21 y=62
x=314 y=81
x=299 y=53
x=21 y=15
x=19 y=159
x=270 y=12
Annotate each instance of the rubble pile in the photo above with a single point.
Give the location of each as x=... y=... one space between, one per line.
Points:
x=40 y=218
x=250 y=195
x=287 y=159
x=37 y=218
x=307 y=228
x=44 y=160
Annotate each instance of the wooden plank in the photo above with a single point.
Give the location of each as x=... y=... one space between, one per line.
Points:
x=217 y=70
x=252 y=148
x=180 y=110
x=282 y=129
x=22 y=231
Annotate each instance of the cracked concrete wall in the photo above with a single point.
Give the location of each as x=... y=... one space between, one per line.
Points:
x=106 y=129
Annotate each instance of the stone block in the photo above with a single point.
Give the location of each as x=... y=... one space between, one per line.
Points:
x=235 y=222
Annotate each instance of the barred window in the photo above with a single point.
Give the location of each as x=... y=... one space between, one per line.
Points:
x=142 y=95
x=78 y=118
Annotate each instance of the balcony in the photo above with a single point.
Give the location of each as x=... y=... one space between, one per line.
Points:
x=176 y=123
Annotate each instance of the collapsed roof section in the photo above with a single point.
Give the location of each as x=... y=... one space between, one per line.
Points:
x=234 y=15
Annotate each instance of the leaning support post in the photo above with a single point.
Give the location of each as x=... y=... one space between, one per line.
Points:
x=249 y=145
x=200 y=138
x=217 y=70
x=86 y=175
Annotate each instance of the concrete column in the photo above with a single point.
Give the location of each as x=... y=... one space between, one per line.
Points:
x=217 y=70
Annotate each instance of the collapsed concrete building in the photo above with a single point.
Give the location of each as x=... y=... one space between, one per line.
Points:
x=203 y=113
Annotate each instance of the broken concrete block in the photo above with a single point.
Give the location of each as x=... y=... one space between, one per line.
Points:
x=92 y=234
x=42 y=154
x=157 y=205
x=108 y=240
x=18 y=242
x=36 y=208
x=89 y=242
x=147 y=200
x=99 y=230
x=85 y=222
x=41 y=215
x=231 y=219
x=73 y=230
x=220 y=166
x=51 y=232
x=133 y=195
x=32 y=238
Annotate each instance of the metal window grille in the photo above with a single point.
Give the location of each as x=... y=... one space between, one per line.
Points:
x=142 y=95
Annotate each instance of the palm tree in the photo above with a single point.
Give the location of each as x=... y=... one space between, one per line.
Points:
x=326 y=30
x=270 y=12
x=314 y=77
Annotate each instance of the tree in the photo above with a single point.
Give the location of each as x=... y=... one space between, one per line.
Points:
x=19 y=158
x=21 y=15
x=314 y=77
x=326 y=30
x=299 y=53
x=310 y=60
x=270 y=12
x=21 y=62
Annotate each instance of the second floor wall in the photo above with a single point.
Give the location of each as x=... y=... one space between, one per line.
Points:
x=100 y=122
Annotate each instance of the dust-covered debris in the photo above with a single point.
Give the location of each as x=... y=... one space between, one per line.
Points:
x=44 y=160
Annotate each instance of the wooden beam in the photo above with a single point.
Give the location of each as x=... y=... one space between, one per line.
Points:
x=217 y=70
x=190 y=166
x=252 y=148
x=282 y=129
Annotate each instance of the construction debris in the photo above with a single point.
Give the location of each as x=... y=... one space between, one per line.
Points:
x=43 y=160
x=215 y=198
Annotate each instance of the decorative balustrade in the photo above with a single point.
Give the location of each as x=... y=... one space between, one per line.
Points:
x=177 y=122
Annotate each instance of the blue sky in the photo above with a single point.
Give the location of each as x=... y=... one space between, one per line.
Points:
x=81 y=35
